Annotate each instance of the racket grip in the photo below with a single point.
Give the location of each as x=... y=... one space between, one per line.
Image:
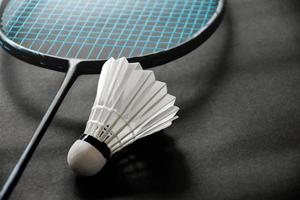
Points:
x=39 y=132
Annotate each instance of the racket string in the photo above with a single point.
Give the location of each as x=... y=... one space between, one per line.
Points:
x=99 y=29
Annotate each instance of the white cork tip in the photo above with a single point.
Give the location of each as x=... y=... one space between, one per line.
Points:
x=84 y=159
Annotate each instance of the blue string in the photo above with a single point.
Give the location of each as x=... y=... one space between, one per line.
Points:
x=99 y=29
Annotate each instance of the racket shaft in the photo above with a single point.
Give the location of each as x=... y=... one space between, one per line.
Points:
x=38 y=135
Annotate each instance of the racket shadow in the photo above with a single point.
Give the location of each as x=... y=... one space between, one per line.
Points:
x=209 y=74
x=29 y=103
x=150 y=166
x=35 y=110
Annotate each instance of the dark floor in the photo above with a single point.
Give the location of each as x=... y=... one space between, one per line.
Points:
x=238 y=135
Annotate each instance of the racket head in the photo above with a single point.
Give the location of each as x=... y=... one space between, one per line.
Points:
x=51 y=33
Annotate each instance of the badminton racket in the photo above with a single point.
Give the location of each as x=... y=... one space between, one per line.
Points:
x=77 y=37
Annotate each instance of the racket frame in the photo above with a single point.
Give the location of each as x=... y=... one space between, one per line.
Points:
x=91 y=66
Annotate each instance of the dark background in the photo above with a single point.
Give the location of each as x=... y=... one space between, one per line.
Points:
x=238 y=135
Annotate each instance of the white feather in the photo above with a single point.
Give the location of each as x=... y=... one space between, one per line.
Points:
x=130 y=104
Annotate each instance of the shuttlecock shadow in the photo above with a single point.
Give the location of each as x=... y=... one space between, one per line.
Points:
x=151 y=166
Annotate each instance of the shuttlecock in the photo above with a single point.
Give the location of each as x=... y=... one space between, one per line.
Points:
x=130 y=104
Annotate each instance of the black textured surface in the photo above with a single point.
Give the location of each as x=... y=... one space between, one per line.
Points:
x=237 y=136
